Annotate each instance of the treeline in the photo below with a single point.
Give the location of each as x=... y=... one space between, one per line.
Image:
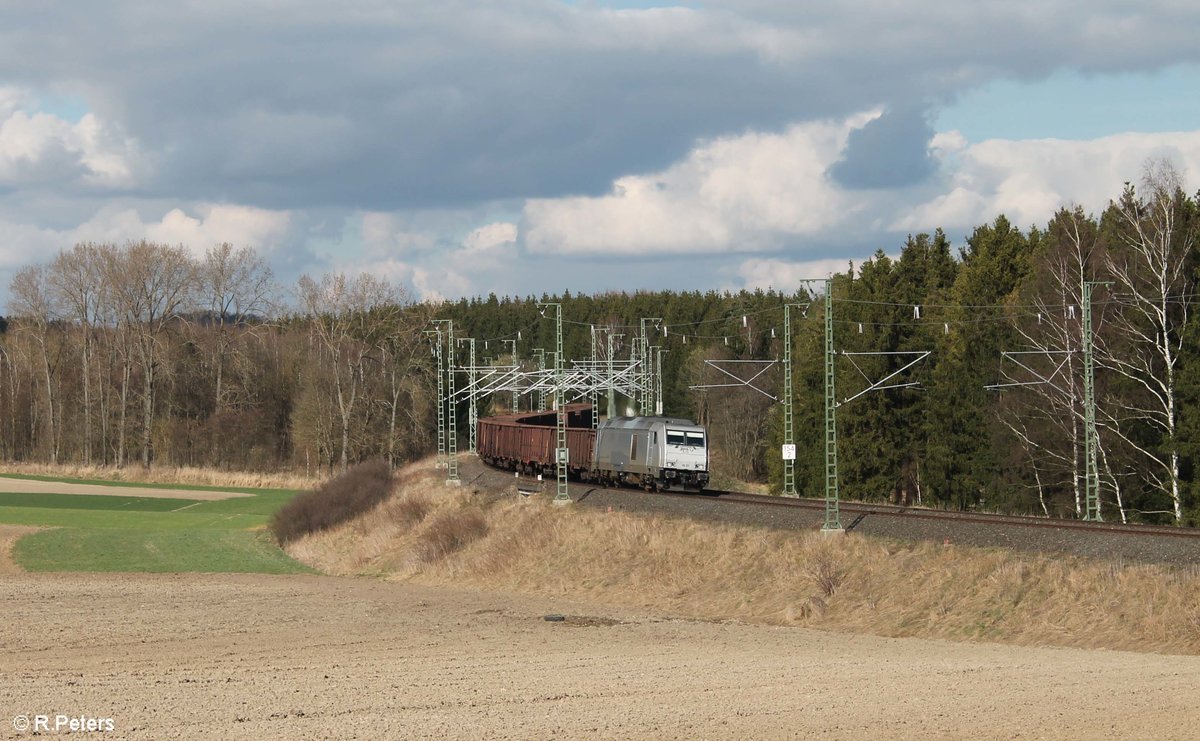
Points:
x=142 y=353
x=1009 y=315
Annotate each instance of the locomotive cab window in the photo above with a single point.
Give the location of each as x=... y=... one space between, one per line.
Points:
x=676 y=437
x=696 y=439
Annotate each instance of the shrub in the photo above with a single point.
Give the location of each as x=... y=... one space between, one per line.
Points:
x=825 y=570
x=410 y=509
x=449 y=531
x=341 y=498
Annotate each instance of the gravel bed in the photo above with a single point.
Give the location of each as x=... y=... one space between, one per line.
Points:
x=1120 y=546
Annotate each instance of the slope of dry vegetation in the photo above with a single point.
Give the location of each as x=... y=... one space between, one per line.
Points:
x=167 y=475
x=431 y=534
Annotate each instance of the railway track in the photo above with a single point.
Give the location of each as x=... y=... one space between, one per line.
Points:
x=859 y=508
x=1096 y=540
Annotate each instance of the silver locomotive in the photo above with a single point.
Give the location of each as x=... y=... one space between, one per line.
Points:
x=651 y=452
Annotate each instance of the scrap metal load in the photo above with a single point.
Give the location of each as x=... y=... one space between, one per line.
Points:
x=650 y=452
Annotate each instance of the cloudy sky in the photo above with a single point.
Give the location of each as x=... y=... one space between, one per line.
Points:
x=522 y=146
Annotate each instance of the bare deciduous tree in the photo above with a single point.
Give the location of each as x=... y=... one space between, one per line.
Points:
x=75 y=276
x=349 y=318
x=150 y=285
x=235 y=289
x=736 y=416
x=33 y=301
x=403 y=357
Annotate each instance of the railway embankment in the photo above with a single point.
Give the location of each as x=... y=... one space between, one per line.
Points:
x=490 y=535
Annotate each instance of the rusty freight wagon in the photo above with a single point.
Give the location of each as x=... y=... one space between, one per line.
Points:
x=526 y=441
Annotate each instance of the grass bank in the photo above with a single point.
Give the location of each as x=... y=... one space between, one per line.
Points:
x=87 y=532
x=431 y=534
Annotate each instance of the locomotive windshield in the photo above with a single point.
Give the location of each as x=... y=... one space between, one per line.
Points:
x=680 y=437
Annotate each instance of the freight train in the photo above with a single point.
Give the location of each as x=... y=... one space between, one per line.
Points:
x=650 y=452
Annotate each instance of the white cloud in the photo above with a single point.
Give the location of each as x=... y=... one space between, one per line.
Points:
x=957 y=209
x=436 y=285
x=11 y=100
x=390 y=269
x=43 y=149
x=34 y=148
x=434 y=271
x=731 y=194
x=771 y=193
x=490 y=235
x=1029 y=180
x=110 y=159
x=22 y=244
x=216 y=223
x=784 y=275
x=385 y=235
x=242 y=226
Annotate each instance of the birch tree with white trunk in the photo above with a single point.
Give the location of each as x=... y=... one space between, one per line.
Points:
x=1151 y=304
x=1047 y=413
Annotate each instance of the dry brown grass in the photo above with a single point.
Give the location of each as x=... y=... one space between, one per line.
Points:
x=713 y=571
x=168 y=475
x=449 y=531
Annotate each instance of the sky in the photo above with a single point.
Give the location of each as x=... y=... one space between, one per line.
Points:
x=529 y=146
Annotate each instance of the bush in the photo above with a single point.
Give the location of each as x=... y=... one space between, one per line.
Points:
x=341 y=498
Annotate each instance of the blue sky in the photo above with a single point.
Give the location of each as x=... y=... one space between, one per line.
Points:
x=522 y=146
x=1070 y=105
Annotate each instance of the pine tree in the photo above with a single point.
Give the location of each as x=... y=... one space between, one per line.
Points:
x=966 y=442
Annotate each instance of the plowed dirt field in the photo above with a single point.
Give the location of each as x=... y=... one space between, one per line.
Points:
x=219 y=656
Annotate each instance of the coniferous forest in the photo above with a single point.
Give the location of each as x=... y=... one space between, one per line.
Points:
x=143 y=354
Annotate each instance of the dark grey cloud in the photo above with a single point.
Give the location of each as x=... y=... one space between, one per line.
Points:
x=388 y=105
x=891 y=151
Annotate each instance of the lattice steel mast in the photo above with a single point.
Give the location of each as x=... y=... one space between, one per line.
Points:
x=595 y=395
x=562 y=454
x=451 y=423
x=1091 y=435
x=436 y=338
x=789 y=430
x=472 y=410
x=833 y=523
x=516 y=396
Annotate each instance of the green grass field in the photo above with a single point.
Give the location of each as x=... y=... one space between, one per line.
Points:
x=130 y=533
